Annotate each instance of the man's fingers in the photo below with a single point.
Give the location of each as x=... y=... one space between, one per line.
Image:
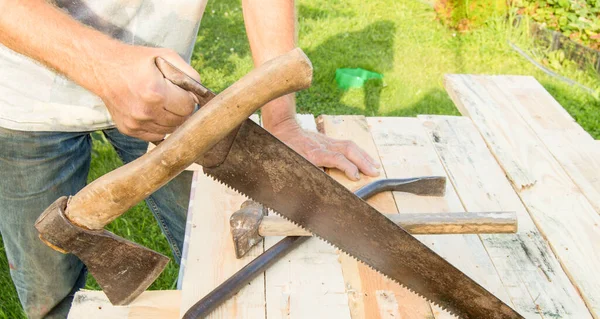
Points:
x=337 y=160
x=159 y=129
x=369 y=158
x=178 y=101
x=357 y=156
x=149 y=137
x=174 y=58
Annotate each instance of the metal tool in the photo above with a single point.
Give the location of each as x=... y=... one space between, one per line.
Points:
x=122 y=268
x=249 y=225
x=232 y=285
x=307 y=196
x=254 y=162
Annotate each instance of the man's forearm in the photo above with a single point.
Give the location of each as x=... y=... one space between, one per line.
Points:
x=271 y=29
x=41 y=31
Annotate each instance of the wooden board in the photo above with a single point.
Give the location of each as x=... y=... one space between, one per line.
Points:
x=570 y=144
x=91 y=304
x=370 y=295
x=307 y=282
x=405 y=151
x=534 y=279
x=559 y=209
x=212 y=259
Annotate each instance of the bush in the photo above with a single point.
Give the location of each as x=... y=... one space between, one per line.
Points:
x=467 y=14
x=577 y=19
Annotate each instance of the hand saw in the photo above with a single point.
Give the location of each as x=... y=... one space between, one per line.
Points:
x=256 y=164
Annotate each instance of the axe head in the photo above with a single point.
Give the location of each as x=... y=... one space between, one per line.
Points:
x=244 y=227
x=122 y=268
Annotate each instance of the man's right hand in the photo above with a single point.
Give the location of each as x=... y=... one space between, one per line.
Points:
x=141 y=101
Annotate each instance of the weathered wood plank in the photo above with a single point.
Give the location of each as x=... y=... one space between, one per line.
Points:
x=571 y=145
x=516 y=169
x=211 y=256
x=157 y=304
x=561 y=212
x=307 y=282
x=405 y=151
x=528 y=268
x=370 y=294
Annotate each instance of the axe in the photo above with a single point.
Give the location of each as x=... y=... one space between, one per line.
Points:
x=76 y=224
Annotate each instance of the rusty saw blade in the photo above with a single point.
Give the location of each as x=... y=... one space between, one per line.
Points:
x=263 y=168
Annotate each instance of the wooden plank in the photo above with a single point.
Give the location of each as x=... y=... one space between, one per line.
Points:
x=559 y=209
x=211 y=256
x=528 y=268
x=156 y=304
x=307 y=282
x=405 y=151
x=571 y=145
x=370 y=295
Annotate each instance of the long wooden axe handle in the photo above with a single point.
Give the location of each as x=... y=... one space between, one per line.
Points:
x=111 y=195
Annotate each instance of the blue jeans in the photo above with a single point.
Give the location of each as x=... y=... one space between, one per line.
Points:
x=36 y=168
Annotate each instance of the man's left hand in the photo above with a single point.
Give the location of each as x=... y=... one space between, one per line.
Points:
x=327 y=152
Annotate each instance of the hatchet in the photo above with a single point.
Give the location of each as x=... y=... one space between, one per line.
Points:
x=76 y=224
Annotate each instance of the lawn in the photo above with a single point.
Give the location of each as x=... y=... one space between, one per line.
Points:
x=398 y=38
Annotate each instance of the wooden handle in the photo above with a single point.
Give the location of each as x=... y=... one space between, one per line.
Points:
x=112 y=194
x=430 y=223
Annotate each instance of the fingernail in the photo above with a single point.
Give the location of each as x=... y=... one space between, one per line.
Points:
x=376 y=171
x=356 y=176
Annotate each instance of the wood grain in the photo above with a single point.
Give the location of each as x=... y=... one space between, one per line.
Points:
x=307 y=282
x=571 y=145
x=370 y=295
x=405 y=151
x=211 y=255
x=535 y=281
x=89 y=304
x=557 y=206
x=111 y=195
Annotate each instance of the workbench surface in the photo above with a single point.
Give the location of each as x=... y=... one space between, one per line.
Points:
x=515 y=149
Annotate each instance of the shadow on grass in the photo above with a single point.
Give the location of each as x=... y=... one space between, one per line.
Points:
x=370 y=48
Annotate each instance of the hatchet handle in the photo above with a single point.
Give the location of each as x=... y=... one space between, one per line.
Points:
x=111 y=195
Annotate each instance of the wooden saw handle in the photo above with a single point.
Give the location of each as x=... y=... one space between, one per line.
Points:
x=111 y=195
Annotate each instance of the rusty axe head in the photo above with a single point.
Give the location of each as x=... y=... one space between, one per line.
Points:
x=122 y=268
x=244 y=226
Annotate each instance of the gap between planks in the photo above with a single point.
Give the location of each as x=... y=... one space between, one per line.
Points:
x=527 y=266
x=405 y=151
x=556 y=204
x=365 y=287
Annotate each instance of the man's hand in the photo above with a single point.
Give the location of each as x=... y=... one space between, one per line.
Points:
x=324 y=151
x=142 y=102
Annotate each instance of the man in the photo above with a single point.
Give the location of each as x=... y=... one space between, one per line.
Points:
x=74 y=66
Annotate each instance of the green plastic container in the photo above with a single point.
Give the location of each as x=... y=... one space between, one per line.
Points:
x=354 y=78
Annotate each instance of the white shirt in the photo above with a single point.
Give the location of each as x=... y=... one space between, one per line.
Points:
x=35 y=98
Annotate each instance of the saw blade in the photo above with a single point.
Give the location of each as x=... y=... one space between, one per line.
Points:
x=263 y=168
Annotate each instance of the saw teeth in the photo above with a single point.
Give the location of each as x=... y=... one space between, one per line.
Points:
x=214 y=178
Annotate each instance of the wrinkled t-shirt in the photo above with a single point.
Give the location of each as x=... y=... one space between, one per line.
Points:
x=35 y=98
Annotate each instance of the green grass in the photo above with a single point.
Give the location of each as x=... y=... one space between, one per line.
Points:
x=398 y=38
